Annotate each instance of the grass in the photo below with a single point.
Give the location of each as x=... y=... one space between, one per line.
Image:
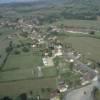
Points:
x=6 y=30
x=14 y=75
x=23 y=60
x=50 y=72
x=71 y=78
x=18 y=87
x=97 y=95
x=4 y=41
x=90 y=47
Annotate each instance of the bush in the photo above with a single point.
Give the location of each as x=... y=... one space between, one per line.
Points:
x=92 y=32
x=16 y=52
x=42 y=90
x=18 y=45
x=6 y=98
x=24 y=34
x=8 y=49
x=0 y=56
x=25 y=49
x=23 y=96
x=0 y=33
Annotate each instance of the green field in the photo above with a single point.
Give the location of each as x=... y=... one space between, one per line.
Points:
x=25 y=86
x=22 y=61
x=90 y=47
x=17 y=74
x=4 y=41
x=50 y=72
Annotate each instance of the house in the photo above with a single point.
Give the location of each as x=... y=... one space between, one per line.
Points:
x=63 y=88
x=48 y=61
x=55 y=98
x=58 y=50
x=45 y=61
x=55 y=95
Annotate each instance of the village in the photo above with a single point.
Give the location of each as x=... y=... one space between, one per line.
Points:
x=64 y=62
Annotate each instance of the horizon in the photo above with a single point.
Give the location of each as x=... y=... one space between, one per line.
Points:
x=15 y=1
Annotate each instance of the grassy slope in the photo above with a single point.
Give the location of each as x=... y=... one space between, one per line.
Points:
x=88 y=46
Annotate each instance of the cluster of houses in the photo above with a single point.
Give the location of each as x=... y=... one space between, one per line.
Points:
x=54 y=49
x=87 y=73
x=61 y=88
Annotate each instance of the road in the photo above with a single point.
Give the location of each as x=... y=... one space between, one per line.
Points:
x=78 y=94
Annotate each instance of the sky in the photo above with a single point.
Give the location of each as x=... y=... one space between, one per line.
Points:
x=8 y=1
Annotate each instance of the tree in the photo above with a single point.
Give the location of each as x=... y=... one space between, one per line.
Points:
x=23 y=96
x=71 y=65
x=8 y=49
x=25 y=49
x=92 y=32
x=98 y=63
x=24 y=34
x=42 y=90
x=16 y=52
x=94 y=91
x=0 y=56
x=11 y=44
x=49 y=29
x=48 y=89
x=6 y=98
x=0 y=33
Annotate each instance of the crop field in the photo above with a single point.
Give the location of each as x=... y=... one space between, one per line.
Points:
x=14 y=75
x=80 y=23
x=18 y=87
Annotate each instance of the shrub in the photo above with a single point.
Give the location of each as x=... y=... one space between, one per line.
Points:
x=8 y=49
x=16 y=52
x=6 y=98
x=92 y=32
x=25 y=49
x=23 y=96
x=0 y=56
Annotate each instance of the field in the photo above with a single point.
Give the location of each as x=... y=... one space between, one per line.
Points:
x=88 y=46
x=22 y=61
x=25 y=86
x=4 y=41
x=80 y=23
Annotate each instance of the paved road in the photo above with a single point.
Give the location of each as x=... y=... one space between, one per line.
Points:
x=78 y=94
